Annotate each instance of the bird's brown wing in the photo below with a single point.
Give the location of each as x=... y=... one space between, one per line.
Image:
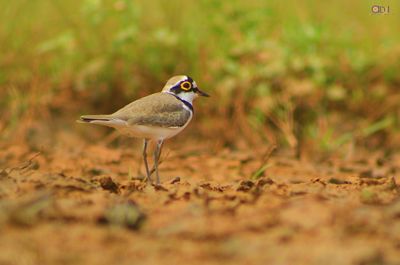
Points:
x=159 y=109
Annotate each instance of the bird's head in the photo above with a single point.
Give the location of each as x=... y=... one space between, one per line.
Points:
x=183 y=87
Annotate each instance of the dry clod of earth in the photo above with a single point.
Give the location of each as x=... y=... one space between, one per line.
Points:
x=108 y=184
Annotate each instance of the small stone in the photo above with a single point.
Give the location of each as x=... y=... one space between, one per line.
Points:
x=176 y=180
x=125 y=214
x=381 y=161
x=264 y=181
x=338 y=181
x=245 y=185
x=108 y=184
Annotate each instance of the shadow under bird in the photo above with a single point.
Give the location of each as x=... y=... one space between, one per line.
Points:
x=156 y=117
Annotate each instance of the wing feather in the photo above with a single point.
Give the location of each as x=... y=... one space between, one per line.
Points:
x=159 y=109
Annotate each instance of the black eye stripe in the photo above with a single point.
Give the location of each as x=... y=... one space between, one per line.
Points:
x=180 y=87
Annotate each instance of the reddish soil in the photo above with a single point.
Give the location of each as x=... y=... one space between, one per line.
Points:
x=75 y=203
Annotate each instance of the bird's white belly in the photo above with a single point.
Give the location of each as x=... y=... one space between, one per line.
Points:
x=142 y=131
x=150 y=132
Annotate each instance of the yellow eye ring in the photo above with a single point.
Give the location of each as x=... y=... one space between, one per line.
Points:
x=186 y=86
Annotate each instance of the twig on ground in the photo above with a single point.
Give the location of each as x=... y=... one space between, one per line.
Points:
x=264 y=163
x=25 y=164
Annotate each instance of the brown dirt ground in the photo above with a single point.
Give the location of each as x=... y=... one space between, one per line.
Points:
x=80 y=203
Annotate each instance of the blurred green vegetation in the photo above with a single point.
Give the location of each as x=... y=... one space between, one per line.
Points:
x=298 y=73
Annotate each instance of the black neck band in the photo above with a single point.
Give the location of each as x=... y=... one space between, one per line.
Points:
x=187 y=104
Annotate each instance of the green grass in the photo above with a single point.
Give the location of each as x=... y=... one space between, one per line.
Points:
x=304 y=71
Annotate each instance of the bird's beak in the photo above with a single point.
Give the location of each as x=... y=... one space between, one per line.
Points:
x=201 y=93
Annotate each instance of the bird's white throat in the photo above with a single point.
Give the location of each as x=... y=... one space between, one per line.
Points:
x=186 y=96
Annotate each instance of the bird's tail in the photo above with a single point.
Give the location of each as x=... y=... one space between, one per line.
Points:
x=106 y=120
x=92 y=118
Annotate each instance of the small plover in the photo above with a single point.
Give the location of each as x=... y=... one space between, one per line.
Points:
x=155 y=117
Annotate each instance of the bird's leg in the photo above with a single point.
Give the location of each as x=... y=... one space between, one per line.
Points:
x=153 y=169
x=157 y=154
x=145 y=160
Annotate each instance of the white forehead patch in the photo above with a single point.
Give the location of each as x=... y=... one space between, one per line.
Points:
x=185 y=78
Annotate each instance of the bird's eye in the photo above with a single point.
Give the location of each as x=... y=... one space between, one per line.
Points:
x=186 y=86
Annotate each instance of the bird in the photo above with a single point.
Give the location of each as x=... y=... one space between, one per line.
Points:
x=156 y=117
